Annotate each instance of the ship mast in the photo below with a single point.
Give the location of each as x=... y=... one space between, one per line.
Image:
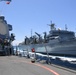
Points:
x=52 y=26
x=66 y=27
x=31 y=32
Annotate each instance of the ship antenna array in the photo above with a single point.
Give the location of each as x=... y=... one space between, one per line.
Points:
x=52 y=26
x=66 y=27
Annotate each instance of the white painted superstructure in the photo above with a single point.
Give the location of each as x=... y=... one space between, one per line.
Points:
x=4 y=29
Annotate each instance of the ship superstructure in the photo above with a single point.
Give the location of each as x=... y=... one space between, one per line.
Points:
x=5 y=37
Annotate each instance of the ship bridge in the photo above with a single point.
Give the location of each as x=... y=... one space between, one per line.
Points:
x=63 y=34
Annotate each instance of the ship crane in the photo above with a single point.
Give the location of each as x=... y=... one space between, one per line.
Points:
x=45 y=35
x=40 y=38
x=37 y=34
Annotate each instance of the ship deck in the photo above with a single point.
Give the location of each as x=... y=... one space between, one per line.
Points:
x=14 y=65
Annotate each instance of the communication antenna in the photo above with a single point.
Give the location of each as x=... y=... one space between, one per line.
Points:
x=52 y=26
x=66 y=27
x=31 y=32
x=75 y=32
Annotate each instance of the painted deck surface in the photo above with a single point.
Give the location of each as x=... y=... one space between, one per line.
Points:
x=13 y=65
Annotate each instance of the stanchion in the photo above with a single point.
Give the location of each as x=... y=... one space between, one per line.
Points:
x=48 y=58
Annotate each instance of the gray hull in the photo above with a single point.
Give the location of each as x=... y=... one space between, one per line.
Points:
x=67 y=48
x=61 y=48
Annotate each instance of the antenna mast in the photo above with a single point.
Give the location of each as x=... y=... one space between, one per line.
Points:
x=31 y=32
x=52 y=26
x=66 y=27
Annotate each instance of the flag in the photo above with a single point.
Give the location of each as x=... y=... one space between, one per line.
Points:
x=5 y=0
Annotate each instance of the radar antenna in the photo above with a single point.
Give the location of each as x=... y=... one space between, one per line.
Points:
x=52 y=26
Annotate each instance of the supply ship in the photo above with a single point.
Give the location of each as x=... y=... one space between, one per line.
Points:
x=57 y=42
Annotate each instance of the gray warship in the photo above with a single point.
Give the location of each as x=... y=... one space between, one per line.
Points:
x=5 y=37
x=57 y=42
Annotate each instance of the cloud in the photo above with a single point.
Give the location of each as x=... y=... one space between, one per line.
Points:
x=14 y=43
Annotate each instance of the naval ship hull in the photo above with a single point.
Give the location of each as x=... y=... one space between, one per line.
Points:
x=67 y=48
x=61 y=49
